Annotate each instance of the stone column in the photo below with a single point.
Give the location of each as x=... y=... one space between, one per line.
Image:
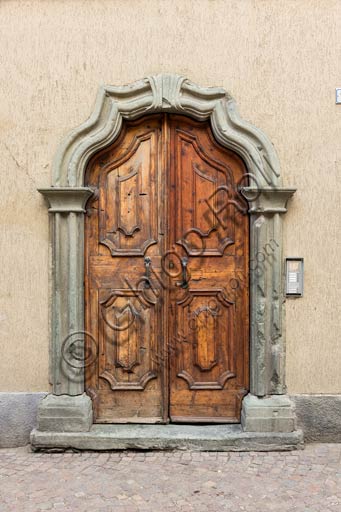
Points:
x=68 y=408
x=267 y=408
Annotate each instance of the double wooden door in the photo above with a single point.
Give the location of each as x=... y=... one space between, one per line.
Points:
x=166 y=276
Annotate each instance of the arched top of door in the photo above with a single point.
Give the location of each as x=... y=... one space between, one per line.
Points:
x=166 y=93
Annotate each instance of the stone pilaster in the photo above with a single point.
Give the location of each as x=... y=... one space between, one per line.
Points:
x=267 y=408
x=66 y=208
x=267 y=362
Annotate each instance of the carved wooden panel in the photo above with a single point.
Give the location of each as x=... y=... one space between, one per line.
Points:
x=126 y=363
x=205 y=319
x=204 y=188
x=128 y=199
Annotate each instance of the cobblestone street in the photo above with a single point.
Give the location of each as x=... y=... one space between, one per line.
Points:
x=308 y=480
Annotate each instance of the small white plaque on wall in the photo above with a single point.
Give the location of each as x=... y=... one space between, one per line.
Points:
x=338 y=95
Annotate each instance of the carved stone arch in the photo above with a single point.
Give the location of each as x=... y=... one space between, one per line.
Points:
x=266 y=408
x=165 y=93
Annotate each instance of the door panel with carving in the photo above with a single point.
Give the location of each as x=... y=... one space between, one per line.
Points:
x=209 y=321
x=124 y=222
x=166 y=286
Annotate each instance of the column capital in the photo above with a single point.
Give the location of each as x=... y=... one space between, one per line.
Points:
x=66 y=199
x=267 y=200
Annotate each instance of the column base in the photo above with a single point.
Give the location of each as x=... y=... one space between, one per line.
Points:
x=275 y=413
x=64 y=413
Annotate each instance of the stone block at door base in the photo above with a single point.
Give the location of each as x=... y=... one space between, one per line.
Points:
x=64 y=413
x=275 y=413
x=167 y=437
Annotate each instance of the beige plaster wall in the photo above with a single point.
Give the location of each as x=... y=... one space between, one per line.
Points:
x=280 y=60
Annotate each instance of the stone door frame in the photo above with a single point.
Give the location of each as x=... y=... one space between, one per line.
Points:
x=267 y=407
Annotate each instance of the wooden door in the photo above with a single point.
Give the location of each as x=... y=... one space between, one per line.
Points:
x=209 y=321
x=166 y=276
x=123 y=228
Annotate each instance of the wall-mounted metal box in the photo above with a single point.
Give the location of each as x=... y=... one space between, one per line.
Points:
x=294 y=277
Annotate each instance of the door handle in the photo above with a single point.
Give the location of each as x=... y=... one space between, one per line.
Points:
x=184 y=262
x=147 y=263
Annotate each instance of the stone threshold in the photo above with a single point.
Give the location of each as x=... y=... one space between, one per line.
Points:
x=168 y=437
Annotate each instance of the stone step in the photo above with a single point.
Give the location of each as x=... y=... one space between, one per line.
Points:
x=167 y=437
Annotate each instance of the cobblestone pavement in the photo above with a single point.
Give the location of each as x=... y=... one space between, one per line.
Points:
x=308 y=480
